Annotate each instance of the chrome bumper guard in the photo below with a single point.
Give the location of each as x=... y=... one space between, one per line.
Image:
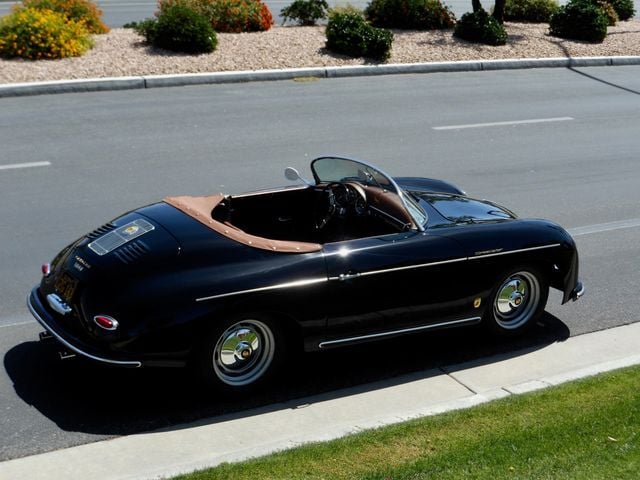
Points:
x=577 y=292
x=37 y=310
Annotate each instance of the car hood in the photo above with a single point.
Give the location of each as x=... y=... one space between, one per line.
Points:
x=463 y=209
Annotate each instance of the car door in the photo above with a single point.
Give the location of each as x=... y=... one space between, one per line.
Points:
x=380 y=286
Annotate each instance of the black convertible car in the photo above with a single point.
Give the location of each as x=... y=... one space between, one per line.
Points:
x=226 y=282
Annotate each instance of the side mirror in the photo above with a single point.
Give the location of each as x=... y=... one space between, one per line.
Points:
x=292 y=174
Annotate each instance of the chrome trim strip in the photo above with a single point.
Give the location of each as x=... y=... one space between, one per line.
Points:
x=270 y=190
x=132 y=363
x=329 y=343
x=530 y=249
x=397 y=269
x=297 y=283
x=311 y=281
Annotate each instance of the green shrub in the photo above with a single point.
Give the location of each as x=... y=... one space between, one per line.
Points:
x=305 y=12
x=232 y=16
x=624 y=8
x=42 y=34
x=534 y=11
x=410 y=14
x=579 y=20
x=81 y=11
x=350 y=34
x=480 y=27
x=180 y=29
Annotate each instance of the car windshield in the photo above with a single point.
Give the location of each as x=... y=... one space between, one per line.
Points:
x=331 y=169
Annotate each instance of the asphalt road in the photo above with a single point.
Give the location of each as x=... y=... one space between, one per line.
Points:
x=559 y=144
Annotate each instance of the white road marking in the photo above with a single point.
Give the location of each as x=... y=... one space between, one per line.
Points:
x=17 y=324
x=604 y=227
x=14 y=166
x=501 y=124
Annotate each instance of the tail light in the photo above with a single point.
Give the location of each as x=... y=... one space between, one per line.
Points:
x=106 y=322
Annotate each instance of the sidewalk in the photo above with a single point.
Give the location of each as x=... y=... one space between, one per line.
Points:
x=257 y=432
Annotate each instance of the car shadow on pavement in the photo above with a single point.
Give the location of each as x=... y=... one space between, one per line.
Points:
x=81 y=396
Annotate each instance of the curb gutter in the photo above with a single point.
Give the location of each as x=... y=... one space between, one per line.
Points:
x=180 y=80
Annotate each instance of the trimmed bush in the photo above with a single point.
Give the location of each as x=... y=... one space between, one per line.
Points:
x=37 y=34
x=534 y=11
x=179 y=29
x=305 y=12
x=480 y=27
x=81 y=11
x=579 y=20
x=624 y=8
x=410 y=14
x=350 y=34
x=232 y=16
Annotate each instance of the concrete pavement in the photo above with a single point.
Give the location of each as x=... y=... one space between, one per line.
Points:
x=258 y=432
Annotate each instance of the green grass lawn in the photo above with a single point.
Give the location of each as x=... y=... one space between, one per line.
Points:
x=588 y=429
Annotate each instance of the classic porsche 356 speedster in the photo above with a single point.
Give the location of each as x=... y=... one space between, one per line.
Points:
x=227 y=282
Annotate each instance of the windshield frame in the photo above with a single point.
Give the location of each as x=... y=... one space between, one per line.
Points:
x=373 y=171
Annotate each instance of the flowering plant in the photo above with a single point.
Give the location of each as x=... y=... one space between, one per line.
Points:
x=42 y=34
x=81 y=11
x=229 y=15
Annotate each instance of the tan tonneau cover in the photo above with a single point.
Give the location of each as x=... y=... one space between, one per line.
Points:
x=200 y=208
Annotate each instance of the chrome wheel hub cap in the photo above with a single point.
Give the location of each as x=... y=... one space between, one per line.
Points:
x=517 y=300
x=243 y=352
x=511 y=296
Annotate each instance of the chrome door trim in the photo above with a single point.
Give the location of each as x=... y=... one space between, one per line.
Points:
x=294 y=284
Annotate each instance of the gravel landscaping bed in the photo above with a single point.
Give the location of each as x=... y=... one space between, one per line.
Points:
x=122 y=52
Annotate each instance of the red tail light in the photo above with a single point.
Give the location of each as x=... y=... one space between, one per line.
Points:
x=46 y=269
x=106 y=322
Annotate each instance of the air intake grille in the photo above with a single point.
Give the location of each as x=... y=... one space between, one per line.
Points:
x=107 y=227
x=132 y=251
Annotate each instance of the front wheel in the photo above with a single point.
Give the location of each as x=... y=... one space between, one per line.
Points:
x=517 y=302
x=241 y=354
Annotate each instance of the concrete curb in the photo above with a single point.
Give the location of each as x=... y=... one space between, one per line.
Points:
x=209 y=442
x=156 y=81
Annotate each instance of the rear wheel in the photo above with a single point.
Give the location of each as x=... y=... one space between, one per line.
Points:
x=241 y=354
x=517 y=302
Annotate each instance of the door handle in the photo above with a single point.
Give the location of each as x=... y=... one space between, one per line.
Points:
x=349 y=275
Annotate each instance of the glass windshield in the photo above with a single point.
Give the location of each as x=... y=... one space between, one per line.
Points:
x=333 y=169
x=330 y=169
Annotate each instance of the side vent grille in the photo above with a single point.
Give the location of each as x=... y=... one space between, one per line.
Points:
x=132 y=251
x=98 y=232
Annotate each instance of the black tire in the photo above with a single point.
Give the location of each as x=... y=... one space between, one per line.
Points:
x=517 y=302
x=241 y=354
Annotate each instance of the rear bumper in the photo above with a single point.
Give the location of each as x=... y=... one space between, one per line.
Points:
x=48 y=321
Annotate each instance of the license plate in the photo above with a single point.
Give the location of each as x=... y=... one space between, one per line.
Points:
x=66 y=286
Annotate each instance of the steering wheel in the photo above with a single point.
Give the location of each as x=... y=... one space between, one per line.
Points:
x=332 y=199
